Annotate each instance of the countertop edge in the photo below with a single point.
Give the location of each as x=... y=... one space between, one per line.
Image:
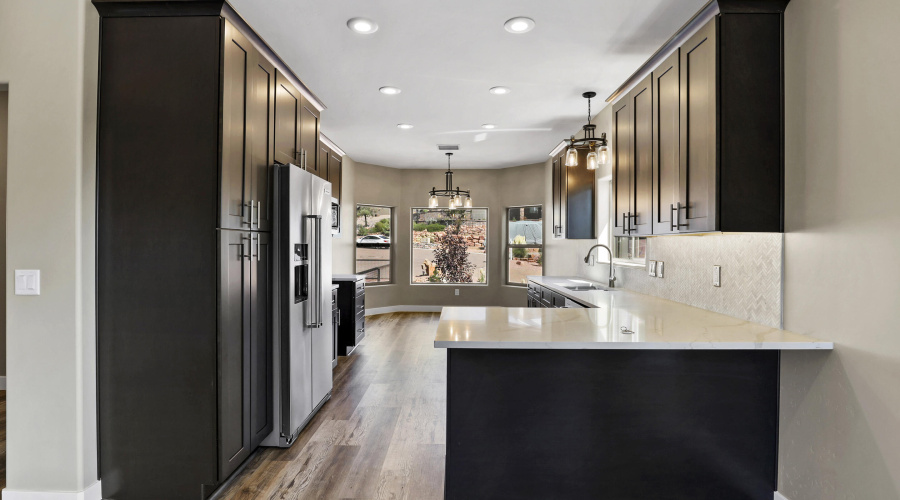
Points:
x=639 y=346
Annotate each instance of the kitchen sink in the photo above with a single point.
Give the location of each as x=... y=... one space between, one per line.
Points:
x=584 y=288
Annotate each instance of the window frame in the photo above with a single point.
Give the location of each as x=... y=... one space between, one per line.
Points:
x=392 y=260
x=487 y=232
x=509 y=246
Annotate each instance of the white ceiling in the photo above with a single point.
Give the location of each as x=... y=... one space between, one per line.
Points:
x=446 y=54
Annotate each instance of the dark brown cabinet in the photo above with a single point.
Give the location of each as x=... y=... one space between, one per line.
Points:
x=558 y=182
x=309 y=139
x=666 y=142
x=184 y=291
x=633 y=165
x=247 y=110
x=698 y=144
x=352 y=305
x=335 y=167
x=574 y=199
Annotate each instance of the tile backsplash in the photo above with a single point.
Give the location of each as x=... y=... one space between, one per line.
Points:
x=751 y=272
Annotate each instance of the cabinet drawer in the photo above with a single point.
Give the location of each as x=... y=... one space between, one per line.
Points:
x=360 y=287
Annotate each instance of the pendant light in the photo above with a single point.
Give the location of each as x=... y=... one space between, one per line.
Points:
x=454 y=195
x=598 y=154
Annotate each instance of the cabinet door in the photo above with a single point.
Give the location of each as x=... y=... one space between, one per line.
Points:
x=642 y=207
x=260 y=338
x=335 y=164
x=233 y=322
x=580 y=200
x=559 y=195
x=309 y=138
x=324 y=155
x=623 y=164
x=554 y=193
x=666 y=143
x=260 y=127
x=233 y=209
x=287 y=121
x=698 y=131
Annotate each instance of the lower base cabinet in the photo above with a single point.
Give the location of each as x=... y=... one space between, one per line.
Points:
x=335 y=325
x=539 y=296
x=352 y=306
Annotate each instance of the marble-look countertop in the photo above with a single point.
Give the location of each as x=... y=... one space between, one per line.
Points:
x=656 y=324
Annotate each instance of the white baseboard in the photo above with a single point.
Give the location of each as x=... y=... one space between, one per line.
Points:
x=91 y=493
x=392 y=309
x=3 y=383
x=779 y=496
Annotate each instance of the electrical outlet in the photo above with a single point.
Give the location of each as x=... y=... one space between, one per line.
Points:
x=659 y=269
x=652 y=268
x=456 y=291
x=717 y=275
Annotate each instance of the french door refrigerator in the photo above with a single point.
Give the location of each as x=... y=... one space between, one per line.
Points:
x=302 y=341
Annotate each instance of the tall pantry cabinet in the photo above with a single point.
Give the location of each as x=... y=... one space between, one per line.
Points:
x=188 y=128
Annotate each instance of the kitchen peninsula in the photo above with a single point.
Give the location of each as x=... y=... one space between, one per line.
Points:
x=631 y=397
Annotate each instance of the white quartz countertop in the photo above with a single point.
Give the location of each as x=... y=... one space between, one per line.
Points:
x=655 y=324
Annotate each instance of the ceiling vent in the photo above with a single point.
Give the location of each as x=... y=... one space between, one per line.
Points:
x=448 y=147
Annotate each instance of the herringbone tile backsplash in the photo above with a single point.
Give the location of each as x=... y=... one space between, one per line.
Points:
x=751 y=274
x=751 y=271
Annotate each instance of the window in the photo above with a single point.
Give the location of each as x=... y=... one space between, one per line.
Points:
x=449 y=246
x=524 y=244
x=629 y=249
x=373 y=243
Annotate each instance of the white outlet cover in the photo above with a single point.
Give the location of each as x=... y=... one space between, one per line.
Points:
x=456 y=291
x=717 y=275
x=659 y=269
x=28 y=282
x=652 y=268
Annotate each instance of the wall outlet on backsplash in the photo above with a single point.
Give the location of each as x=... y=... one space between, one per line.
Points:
x=651 y=268
x=717 y=275
x=659 y=269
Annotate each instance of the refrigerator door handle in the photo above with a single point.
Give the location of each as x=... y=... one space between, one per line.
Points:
x=314 y=303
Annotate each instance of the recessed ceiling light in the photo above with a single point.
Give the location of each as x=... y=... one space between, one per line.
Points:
x=519 y=25
x=488 y=126
x=500 y=90
x=404 y=126
x=362 y=25
x=389 y=90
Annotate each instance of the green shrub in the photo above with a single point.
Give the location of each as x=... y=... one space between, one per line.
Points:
x=519 y=253
x=419 y=227
x=434 y=227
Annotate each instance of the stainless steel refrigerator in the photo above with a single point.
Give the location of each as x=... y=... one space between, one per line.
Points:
x=302 y=307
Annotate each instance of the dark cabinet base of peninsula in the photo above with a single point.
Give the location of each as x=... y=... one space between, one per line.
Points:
x=617 y=424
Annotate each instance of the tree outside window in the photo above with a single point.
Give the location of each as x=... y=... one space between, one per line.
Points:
x=449 y=245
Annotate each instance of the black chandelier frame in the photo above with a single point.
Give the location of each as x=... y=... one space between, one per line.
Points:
x=589 y=141
x=448 y=191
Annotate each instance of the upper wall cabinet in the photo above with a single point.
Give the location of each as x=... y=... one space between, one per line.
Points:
x=574 y=199
x=296 y=128
x=698 y=144
x=330 y=166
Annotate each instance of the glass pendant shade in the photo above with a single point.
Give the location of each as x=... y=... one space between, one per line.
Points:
x=572 y=157
x=432 y=202
x=468 y=202
x=592 y=160
x=603 y=155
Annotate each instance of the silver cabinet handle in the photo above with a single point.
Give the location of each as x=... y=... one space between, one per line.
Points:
x=243 y=254
x=677 y=225
x=258 y=213
x=258 y=238
x=673 y=216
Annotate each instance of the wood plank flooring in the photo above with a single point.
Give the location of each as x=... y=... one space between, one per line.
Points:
x=382 y=434
x=2 y=439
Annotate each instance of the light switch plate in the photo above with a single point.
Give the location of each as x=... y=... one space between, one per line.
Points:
x=659 y=269
x=456 y=290
x=652 y=268
x=717 y=275
x=28 y=282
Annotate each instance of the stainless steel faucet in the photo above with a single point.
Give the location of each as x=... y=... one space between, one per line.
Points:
x=612 y=271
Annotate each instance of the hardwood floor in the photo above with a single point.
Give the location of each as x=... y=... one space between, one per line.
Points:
x=382 y=434
x=2 y=439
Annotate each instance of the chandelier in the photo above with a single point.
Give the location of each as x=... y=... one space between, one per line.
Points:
x=598 y=154
x=455 y=195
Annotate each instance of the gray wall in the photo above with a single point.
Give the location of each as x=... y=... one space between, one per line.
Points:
x=403 y=189
x=51 y=371
x=841 y=412
x=4 y=108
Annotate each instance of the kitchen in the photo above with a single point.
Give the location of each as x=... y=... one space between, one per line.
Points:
x=787 y=239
